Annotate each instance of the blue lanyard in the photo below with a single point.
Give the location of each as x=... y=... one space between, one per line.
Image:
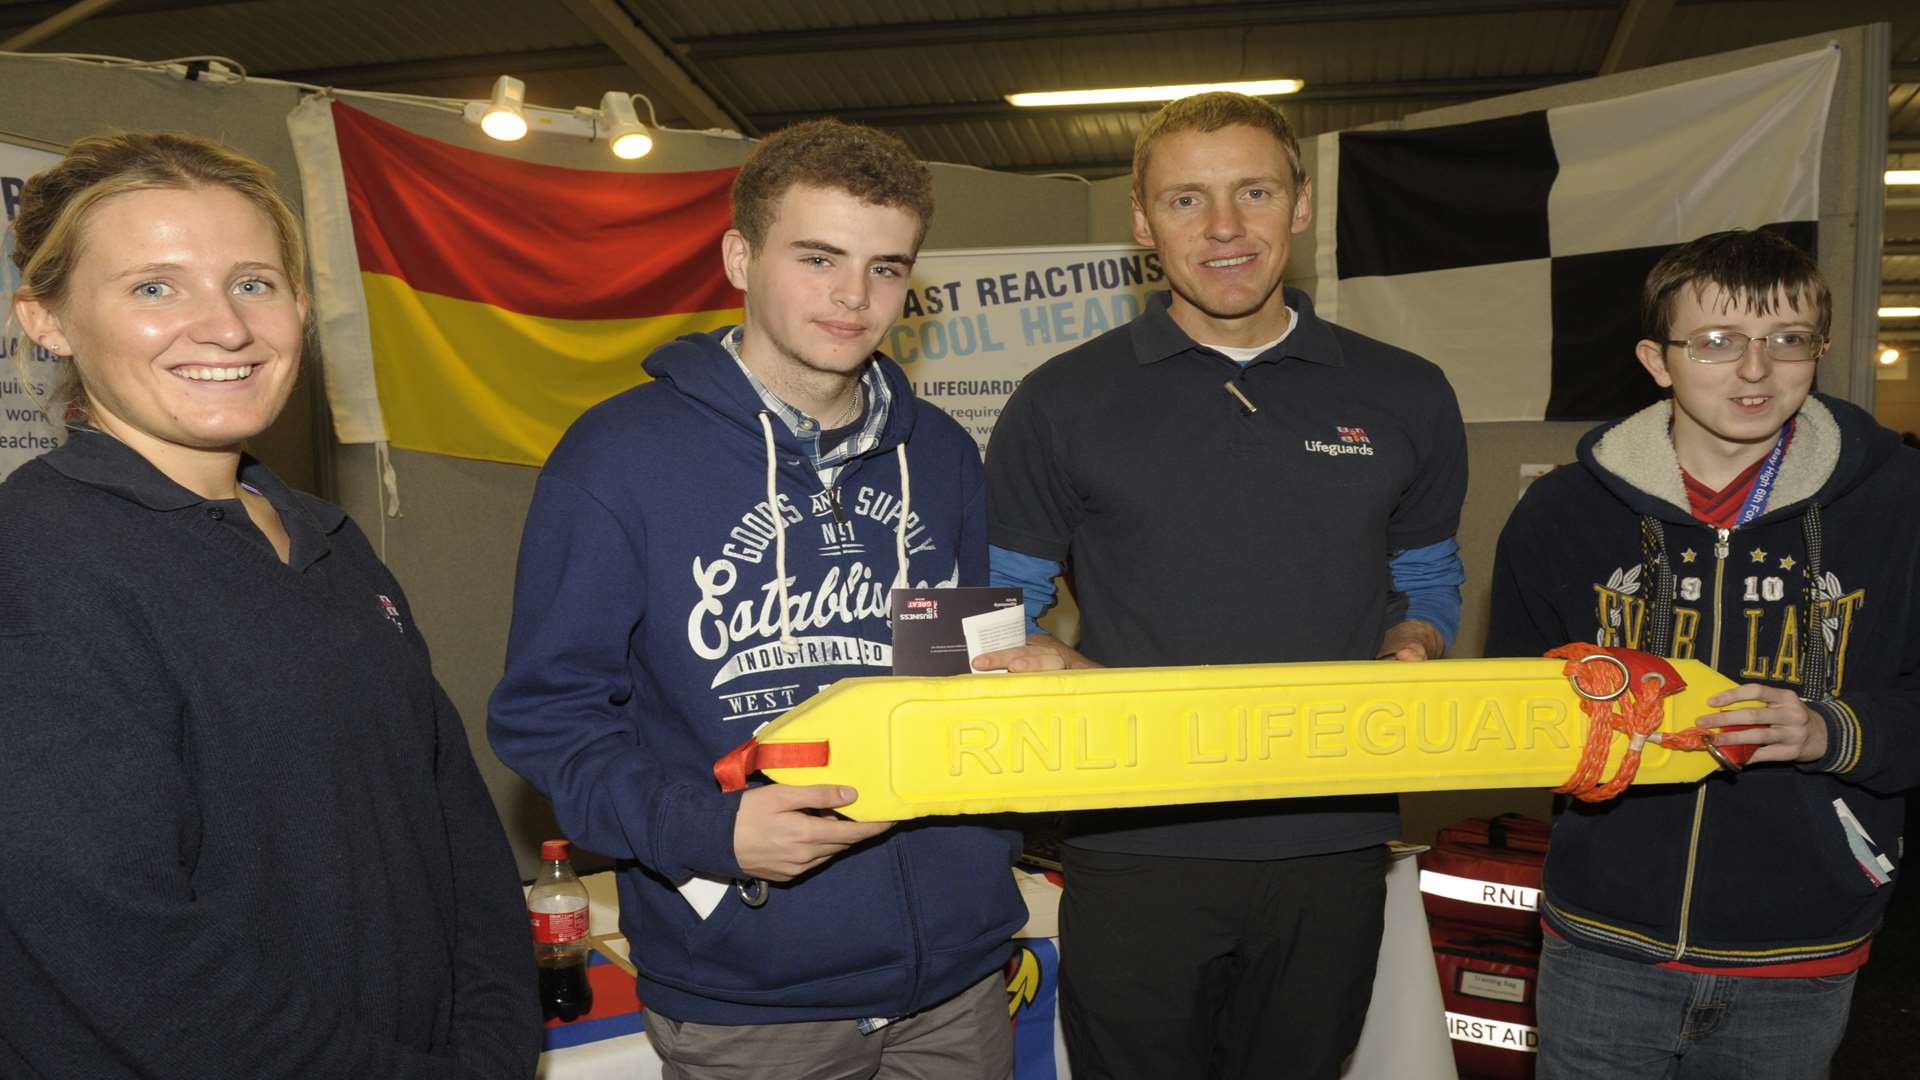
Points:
x=1763 y=481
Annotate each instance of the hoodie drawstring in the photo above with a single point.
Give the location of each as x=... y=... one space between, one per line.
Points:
x=779 y=533
x=780 y=527
x=1816 y=672
x=900 y=528
x=1657 y=577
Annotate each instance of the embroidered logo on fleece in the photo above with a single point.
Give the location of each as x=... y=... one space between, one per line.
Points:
x=1352 y=441
x=392 y=612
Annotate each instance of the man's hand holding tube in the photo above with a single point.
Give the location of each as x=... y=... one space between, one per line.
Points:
x=1784 y=727
x=1411 y=640
x=784 y=830
x=1042 y=652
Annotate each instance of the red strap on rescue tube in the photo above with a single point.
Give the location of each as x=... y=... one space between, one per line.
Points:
x=1625 y=693
x=753 y=755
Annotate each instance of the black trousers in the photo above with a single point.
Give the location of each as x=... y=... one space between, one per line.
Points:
x=1192 y=969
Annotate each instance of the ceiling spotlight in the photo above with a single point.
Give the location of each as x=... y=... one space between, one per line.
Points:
x=1889 y=357
x=1121 y=95
x=626 y=136
x=505 y=118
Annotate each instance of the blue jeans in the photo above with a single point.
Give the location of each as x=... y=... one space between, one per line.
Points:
x=1602 y=1018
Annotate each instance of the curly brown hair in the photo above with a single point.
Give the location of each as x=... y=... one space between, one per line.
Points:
x=870 y=165
x=1206 y=113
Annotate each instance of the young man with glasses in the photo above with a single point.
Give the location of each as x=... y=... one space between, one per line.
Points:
x=1715 y=930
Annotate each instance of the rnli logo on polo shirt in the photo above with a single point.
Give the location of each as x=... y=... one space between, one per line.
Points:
x=392 y=613
x=1350 y=441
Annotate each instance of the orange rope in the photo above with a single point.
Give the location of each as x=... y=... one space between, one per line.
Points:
x=1635 y=712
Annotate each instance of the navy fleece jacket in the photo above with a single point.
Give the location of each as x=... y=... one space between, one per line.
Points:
x=244 y=834
x=646 y=644
x=1820 y=594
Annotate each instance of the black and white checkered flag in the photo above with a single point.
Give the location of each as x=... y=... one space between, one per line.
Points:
x=1511 y=251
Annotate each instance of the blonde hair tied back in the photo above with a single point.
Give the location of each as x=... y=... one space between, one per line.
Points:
x=54 y=205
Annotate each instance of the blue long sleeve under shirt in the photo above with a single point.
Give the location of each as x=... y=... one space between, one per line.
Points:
x=1430 y=577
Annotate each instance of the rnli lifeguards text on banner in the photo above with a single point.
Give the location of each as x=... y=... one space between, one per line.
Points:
x=502 y=298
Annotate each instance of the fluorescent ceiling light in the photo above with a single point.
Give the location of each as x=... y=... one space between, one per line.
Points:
x=1122 y=95
x=1903 y=176
x=1900 y=312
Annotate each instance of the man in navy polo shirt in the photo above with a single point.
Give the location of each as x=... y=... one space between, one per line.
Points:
x=1227 y=479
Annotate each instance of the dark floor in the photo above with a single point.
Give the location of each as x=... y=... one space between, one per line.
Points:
x=1883 y=1037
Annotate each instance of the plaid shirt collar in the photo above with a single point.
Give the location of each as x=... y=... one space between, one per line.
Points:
x=879 y=400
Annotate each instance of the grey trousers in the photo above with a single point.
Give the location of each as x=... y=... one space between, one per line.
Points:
x=967 y=1037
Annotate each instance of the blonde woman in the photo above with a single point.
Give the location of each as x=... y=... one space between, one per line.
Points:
x=244 y=835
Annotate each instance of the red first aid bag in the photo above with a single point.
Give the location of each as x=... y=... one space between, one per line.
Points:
x=1515 y=832
x=1488 y=981
x=1486 y=872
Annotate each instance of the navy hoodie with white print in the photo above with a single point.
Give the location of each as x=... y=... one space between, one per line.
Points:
x=646 y=642
x=1780 y=864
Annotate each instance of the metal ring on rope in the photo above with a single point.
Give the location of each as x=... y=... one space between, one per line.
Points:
x=1726 y=762
x=1626 y=678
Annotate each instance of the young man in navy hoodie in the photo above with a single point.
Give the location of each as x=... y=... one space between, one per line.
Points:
x=709 y=549
x=1715 y=930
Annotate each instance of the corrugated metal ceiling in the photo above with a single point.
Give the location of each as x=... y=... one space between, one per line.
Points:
x=935 y=70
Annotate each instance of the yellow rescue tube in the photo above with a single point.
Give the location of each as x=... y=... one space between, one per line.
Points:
x=1117 y=737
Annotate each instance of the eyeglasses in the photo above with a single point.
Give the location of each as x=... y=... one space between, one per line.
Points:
x=1730 y=346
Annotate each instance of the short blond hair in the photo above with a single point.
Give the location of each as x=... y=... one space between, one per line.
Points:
x=55 y=203
x=1210 y=112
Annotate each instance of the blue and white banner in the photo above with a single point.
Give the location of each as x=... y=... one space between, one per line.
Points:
x=24 y=429
x=977 y=321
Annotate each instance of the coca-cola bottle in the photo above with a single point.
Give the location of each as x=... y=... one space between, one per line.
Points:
x=557 y=904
